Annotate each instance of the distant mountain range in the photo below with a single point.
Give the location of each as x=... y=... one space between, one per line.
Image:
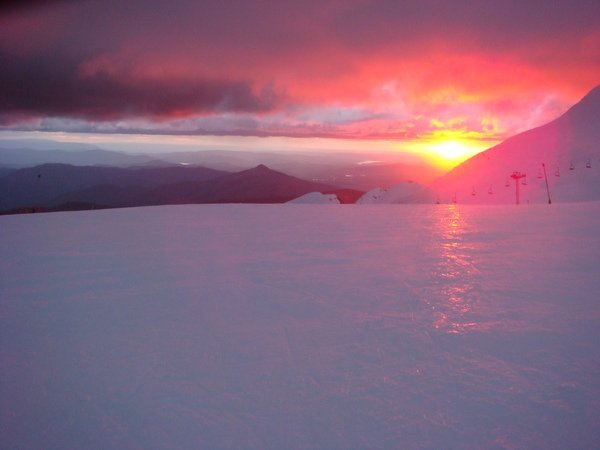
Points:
x=36 y=176
x=52 y=187
x=17 y=156
x=569 y=147
x=362 y=171
x=52 y=184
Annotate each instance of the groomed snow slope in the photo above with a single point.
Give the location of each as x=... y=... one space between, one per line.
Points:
x=278 y=326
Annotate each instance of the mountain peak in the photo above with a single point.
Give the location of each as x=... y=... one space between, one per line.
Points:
x=260 y=169
x=595 y=93
x=592 y=97
x=588 y=107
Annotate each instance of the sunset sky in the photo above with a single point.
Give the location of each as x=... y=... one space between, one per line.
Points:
x=446 y=78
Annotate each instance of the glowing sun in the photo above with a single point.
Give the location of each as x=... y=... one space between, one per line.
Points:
x=451 y=153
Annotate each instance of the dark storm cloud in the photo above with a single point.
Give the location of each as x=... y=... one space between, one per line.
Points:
x=486 y=22
x=289 y=25
x=7 y=6
x=43 y=86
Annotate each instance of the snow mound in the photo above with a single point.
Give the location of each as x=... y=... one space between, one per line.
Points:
x=407 y=192
x=313 y=198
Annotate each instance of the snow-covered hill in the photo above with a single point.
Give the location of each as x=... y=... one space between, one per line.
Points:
x=316 y=198
x=405 y=193
x=299 y=326
x=569 y=147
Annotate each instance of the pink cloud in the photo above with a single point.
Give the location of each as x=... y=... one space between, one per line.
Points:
x=355 y=69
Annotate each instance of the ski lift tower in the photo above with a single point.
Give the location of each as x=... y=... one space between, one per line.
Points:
x=547 y=188
x=517 y=176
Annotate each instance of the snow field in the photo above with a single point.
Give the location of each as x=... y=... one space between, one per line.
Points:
x=278 y=326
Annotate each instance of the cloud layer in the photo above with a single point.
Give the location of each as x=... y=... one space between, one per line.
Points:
x=354 y=68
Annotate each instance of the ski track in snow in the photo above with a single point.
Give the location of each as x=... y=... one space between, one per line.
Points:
x=301 y=326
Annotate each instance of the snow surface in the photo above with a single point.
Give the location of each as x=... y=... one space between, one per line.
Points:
x=279 y=326
x=406 y=192
x=316 y=198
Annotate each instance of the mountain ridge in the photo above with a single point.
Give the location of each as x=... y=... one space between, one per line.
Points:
x=51 y=186
x=22 y=157
x=568 y=146
x=40 y=185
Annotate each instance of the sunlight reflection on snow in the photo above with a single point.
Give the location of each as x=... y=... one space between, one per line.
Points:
x=455 y=275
